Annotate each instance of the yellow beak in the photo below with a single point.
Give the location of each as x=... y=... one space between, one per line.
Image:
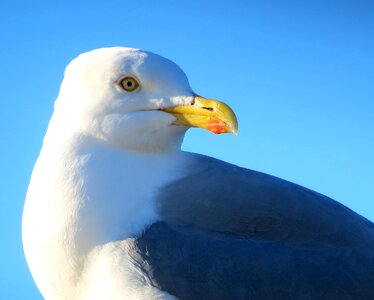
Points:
x=209 y=114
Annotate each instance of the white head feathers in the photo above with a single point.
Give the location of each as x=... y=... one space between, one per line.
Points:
x=92 y=100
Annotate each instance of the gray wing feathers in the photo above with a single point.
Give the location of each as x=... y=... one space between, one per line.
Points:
x=192 y=264
x=217 y=196
x=231 y=233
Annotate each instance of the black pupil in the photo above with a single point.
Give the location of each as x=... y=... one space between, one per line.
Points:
x=129 y=83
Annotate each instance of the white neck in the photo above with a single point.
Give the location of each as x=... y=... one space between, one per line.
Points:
x=84 y=193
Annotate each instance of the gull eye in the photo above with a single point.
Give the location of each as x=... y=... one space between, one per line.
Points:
x=129 y=84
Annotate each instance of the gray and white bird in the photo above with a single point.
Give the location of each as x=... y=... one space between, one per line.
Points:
x=115 y=209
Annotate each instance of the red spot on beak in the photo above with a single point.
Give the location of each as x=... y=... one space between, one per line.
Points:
x=217 y=126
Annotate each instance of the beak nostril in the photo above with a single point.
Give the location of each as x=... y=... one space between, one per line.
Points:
x=208 y=108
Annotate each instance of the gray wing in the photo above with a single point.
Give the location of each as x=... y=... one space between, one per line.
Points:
x=232 y=233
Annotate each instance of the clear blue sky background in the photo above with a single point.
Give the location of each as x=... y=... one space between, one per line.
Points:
x=299 y=74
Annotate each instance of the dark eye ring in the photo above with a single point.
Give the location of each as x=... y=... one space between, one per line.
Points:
x=129 y=84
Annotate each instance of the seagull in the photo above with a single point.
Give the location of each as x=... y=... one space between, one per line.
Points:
x=115 y=209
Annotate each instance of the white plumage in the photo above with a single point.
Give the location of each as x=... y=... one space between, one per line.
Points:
x=104 y=154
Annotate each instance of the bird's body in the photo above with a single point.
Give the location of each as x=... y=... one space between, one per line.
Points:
x=115 y=210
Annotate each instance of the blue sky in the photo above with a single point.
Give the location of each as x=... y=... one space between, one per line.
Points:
x=299 y=75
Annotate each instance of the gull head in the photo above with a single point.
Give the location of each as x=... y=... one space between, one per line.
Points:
x=134 y=100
